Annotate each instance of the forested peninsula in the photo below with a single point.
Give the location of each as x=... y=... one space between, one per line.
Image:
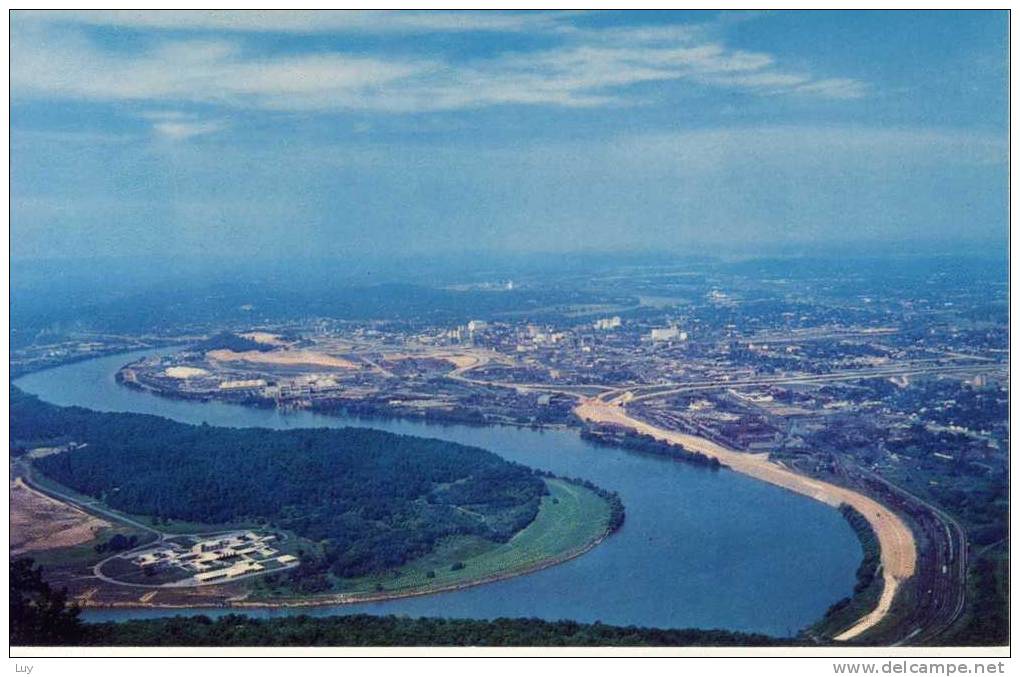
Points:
x=365 y=501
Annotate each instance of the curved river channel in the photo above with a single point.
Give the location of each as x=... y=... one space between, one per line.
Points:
x=699 y=548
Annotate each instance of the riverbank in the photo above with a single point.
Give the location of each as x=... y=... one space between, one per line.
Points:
x=897 y=545
x=896 y=541
x=848 y=611
x=572 y=520
x=714 y=557
x=341 y=599
x=360 y=409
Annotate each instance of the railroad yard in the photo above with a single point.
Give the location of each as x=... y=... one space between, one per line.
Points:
x=900 y=396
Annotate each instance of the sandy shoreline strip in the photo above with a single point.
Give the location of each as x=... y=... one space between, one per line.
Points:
x=896 y=541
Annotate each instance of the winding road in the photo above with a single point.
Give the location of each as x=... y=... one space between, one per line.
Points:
x=896 y=542
x=940 y=594
x=898 y=548
x=96 y=508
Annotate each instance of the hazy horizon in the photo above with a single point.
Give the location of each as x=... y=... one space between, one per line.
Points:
x=185 y=135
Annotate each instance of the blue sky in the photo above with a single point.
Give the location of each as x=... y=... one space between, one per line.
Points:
x=340 y=133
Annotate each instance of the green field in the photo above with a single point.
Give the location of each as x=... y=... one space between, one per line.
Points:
x=84 y=554
x=570 y=519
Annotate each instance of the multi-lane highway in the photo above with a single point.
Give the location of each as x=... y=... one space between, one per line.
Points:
x=914 y=609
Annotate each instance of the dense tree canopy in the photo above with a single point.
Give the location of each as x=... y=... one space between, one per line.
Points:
x=229 y=341
x=364 y=630
x=373 y=499
x=40 y=615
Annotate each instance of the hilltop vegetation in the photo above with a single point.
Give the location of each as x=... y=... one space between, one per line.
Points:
x=868 y=588
x=371 y=500
x=250 y=296
x=364 y=630
x=39 y=617
x=226 y=340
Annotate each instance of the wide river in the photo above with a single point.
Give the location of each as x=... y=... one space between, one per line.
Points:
x=699 y=548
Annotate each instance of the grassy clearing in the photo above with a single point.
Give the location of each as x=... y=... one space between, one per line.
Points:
x=85 y=553
x=569 y=519
x=186 y=528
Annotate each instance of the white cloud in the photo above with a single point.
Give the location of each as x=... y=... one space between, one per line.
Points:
x=202 y=71
x=834 y=88
x=305 y=21
x=758 y=184
x=181 y=127
x=587 y=68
